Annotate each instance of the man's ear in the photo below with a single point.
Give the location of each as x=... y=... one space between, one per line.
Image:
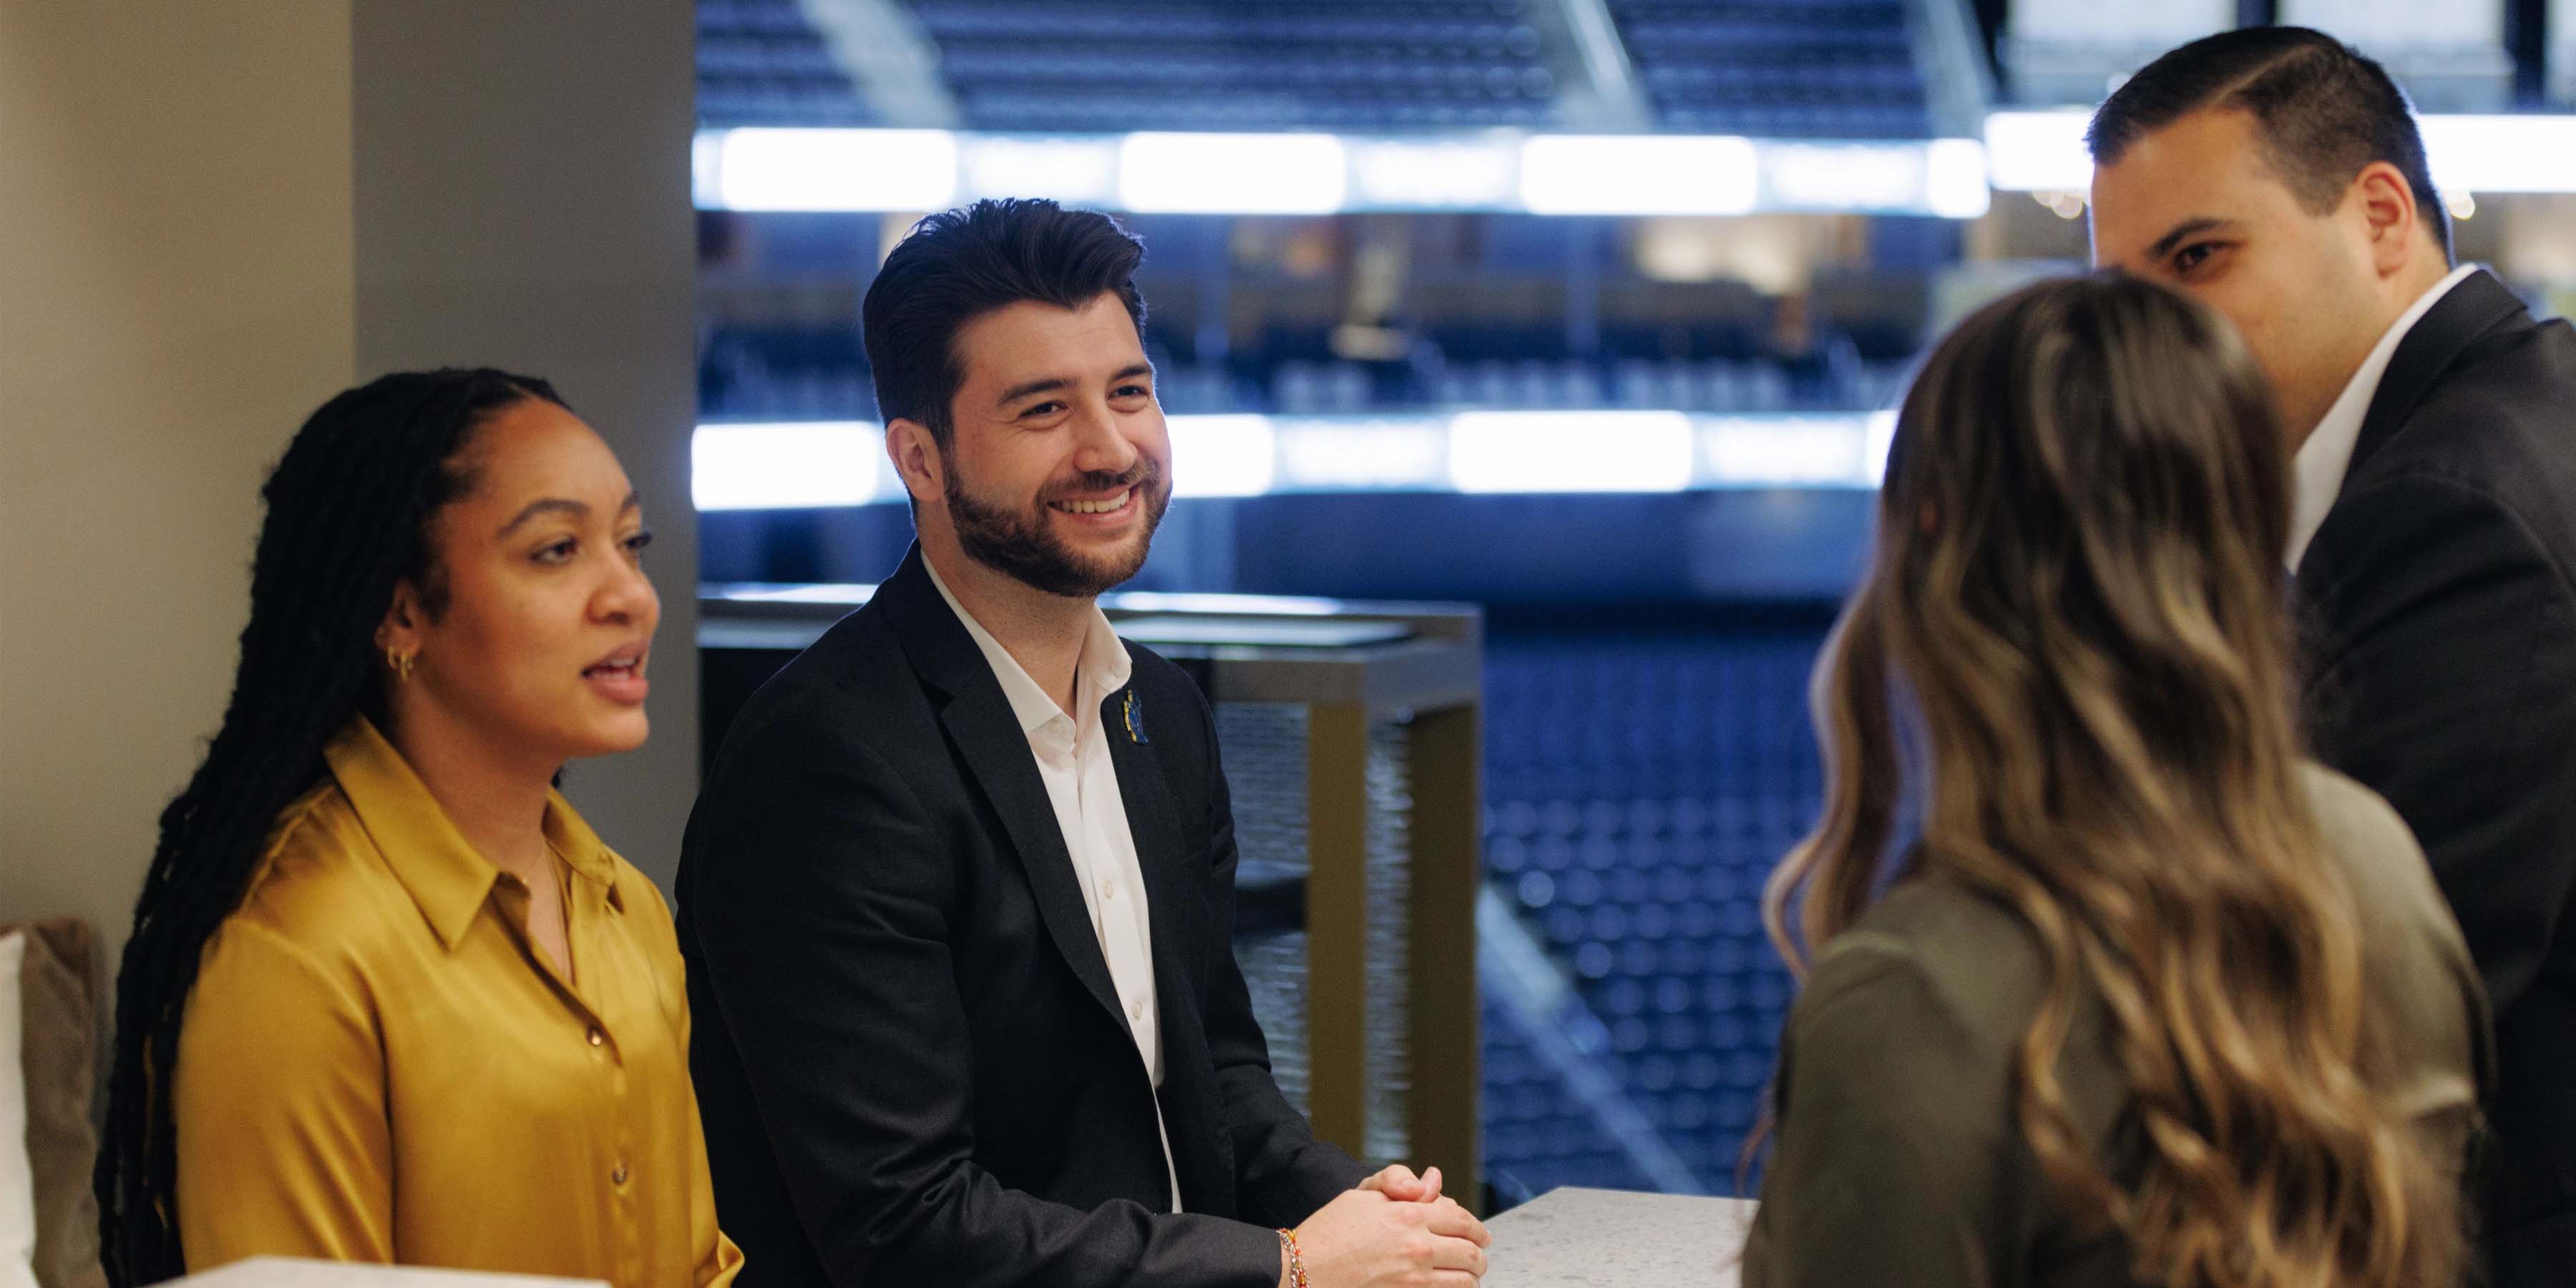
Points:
x=2389 y=216
x=917 y=460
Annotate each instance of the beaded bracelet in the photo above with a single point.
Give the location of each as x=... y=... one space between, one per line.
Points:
x=1296 y=1259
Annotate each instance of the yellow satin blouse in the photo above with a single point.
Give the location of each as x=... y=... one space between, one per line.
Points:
x=377 y=1065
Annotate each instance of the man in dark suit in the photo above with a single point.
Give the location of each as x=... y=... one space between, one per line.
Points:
x=2278 y=176
x=957 y=899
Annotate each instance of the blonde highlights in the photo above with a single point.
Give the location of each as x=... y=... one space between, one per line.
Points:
x=2069 y=666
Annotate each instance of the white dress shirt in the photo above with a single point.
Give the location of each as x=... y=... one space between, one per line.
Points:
x=2321 y=462
x=1072 y=753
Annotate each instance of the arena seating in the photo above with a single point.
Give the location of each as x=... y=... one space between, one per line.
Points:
x=1778 y=68
x=1640 y=783
x=760 y=62
x=1246 y=64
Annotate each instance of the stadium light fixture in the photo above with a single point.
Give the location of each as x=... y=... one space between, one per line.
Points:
x=1639 y=174
x=868 y=170
x=1842 y=176
x=1786 y=452
x=1944 y=177
x=1245 y=174
x=1076 y=171
x=1570 y=451
x=1879 y=429
x=1222 y=455
x=2039 y=151
x=807 y=464
x=1954 y=178
x=1364 y=454
x=1455 y=174
x=786 y=465
x=796 y=169
x=2501 y=153
x=2043 y=151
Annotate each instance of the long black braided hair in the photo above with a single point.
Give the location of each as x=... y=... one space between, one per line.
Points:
x=349 y=511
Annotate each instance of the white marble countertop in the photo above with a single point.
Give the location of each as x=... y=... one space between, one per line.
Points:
x=1615 y=1239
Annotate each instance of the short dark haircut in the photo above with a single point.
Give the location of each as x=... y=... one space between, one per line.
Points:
x=2324 y=112
x=958 y=265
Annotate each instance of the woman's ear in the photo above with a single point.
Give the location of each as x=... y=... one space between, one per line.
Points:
x=399 y=634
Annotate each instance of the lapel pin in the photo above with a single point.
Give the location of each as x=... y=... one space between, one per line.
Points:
x=1135 y=716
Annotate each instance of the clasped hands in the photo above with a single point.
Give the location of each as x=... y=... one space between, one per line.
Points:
x=1394 y=1230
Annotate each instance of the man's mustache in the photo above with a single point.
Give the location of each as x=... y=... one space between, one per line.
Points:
x=1144 y=471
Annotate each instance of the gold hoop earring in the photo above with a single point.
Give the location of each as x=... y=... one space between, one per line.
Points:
x=401 y=664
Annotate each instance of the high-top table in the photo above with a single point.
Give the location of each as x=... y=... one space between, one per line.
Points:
x=1614 y=1239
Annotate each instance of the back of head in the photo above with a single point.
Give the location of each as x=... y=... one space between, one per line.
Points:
x=2070 y=649
x=2323 y=111
x=960 y=264
x=348 y=513
x=2086 y=496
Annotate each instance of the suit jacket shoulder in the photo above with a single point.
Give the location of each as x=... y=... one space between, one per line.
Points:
x=854 y=671
x=2479 y=401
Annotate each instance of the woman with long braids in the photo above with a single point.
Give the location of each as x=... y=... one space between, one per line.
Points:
x=388 y=998
x=2103 y=984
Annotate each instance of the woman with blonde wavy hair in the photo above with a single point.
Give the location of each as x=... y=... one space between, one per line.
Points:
x=2103 y=983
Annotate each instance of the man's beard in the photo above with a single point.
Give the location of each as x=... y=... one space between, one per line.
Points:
x=1022 y=547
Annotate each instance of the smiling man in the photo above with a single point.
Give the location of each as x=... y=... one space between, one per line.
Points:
x=2278 y=176
x=958 y=896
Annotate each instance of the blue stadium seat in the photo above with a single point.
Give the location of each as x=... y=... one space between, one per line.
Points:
x=761 y=63
x=1246 y=65
x=1538 y=1135
x=1792 y=68
x=1780 y=68
x=1641 y=786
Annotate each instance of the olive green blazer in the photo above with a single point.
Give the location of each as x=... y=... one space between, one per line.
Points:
x=1896 y=1158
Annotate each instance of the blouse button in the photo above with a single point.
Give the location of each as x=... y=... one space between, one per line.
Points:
x=597 y=1037
x=618 y=1177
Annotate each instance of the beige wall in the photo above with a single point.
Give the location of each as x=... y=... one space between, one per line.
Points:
x=213 y=216
x=523 y=201
x=177 y=289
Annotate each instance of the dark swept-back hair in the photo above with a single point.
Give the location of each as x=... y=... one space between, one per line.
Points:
x=349 y=513
x=2068 y=666
x=2323 y=111
x=958 y=265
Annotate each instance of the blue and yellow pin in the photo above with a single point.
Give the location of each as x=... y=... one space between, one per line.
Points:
x=1134 y=714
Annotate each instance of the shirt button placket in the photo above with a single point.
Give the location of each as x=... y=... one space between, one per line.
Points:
x=630 y=1246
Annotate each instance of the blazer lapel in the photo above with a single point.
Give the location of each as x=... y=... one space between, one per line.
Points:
x=1151 y=817
x=1176 y=906
x=2471 y=311
x=979 y=720
x=994 y=748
